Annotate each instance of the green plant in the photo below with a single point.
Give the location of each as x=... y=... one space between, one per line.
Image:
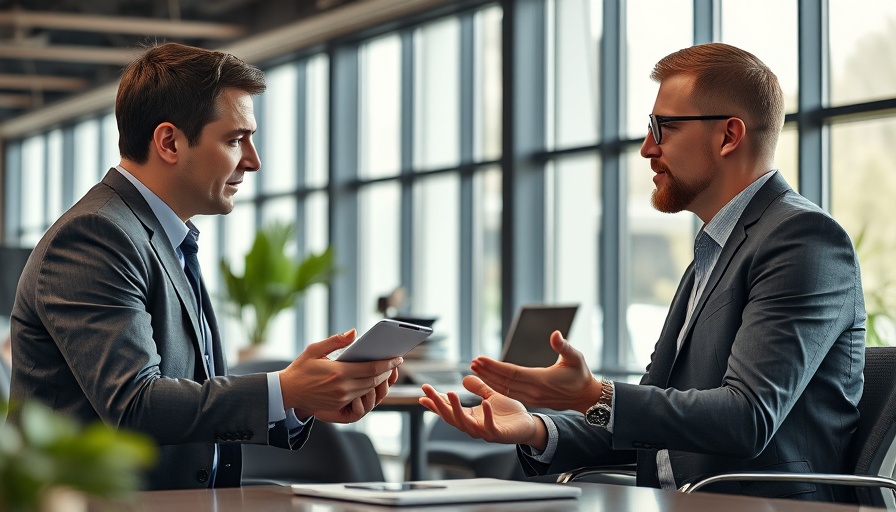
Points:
x=272 y=279
x=44 y=450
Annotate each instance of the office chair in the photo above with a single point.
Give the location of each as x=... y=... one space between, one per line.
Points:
x=456 y=452
x=330 y=455
x=872 y=460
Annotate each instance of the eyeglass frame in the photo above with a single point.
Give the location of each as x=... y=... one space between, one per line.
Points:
x=658 y=121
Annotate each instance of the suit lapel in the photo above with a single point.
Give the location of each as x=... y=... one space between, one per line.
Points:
x=664 y=351
x=163 y=250
x=773 y=188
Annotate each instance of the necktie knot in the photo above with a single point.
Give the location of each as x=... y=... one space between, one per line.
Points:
x=190 y=245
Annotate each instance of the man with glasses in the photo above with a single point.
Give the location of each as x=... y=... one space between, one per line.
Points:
x=759 y=364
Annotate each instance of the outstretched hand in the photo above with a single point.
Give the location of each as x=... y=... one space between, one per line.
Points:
x=334 y=391
x=566 y=385
x=497 y=419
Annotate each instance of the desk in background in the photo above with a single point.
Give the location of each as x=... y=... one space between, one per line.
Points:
x=595 y=497
x=403 y=398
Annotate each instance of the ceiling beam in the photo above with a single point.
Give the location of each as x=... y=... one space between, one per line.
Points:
x=70 y=53
x=44 y=83
x=254 y=50
x=15 y=101
x=121 y=25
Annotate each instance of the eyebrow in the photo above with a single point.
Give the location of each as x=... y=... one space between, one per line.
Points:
x=240 y=131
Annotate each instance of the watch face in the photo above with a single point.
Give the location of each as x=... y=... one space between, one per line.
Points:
x=598 y=415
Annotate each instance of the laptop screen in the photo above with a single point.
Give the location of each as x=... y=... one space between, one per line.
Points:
x=528 y=340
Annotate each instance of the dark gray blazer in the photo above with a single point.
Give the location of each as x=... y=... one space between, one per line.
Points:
x=104 y=327
x=770 y=371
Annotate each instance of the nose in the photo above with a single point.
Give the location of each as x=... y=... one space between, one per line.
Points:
x=649 y=148
x=251 y=161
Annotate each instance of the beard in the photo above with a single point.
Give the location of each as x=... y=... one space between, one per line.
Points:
x=677 y=195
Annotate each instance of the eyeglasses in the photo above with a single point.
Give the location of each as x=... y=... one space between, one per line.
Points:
x=656 y=122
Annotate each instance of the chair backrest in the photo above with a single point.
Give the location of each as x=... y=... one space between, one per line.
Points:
x=874 y=442
x=330 y=455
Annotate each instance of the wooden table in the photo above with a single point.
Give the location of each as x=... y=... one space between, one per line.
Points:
x=595 y=498
x=403 y=398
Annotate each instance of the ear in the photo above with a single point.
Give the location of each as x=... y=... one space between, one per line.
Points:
x=164 y=142
x=735 y=131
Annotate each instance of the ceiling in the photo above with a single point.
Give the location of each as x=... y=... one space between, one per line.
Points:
x=51 y=50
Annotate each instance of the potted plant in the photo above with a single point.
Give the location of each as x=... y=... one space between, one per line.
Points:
x=49 y=462
x=273 y=280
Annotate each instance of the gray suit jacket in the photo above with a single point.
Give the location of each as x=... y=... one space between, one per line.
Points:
x=104 y=327
x=769 y=373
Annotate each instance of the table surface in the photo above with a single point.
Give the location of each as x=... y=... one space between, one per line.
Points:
x=595 y=497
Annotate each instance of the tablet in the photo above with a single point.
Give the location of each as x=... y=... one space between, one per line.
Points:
x=386 y=339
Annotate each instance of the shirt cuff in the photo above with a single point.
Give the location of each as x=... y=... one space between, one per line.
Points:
x=612 y=411
x=276 y=410
x=547 y=455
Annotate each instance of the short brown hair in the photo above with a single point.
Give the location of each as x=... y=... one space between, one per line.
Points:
x=731 y=81
x=178 y=84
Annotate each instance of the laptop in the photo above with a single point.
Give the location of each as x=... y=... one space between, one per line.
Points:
x=526 y=344
x=441 y=492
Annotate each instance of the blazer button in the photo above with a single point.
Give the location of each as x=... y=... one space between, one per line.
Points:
x=202 y=476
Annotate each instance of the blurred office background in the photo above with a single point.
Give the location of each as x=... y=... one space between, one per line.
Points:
x=482 y=155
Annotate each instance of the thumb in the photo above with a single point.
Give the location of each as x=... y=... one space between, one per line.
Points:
x=564 y=348
x=334 y=342
x=474 y=385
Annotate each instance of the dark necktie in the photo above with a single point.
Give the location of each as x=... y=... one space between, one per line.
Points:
x=190 y=248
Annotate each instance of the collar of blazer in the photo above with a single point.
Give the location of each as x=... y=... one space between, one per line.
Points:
x=772 y=189
x=161 y=246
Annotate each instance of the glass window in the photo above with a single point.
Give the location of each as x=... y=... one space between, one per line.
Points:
x=54 y=176
x=279 y=130
x=316 y=120
x=488 y=205
x=487 y=110
x=642 y=50
x=776 y=44
x=379 y=261
x=33 y=188
x=862 y=189
x=573 y=73
x=660 y=247
x=436 y=252
x=437 y=95
x=87 y=165
x=316 y=298
x=787 y=155
x=862 y=49
x=380 y=107
x=111 y=155
x=573 y=253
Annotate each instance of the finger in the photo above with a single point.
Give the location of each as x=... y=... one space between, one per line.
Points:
x=369 y=401
x=334 y=342
x=486 y=385
x=483 y=366
x=498 y=381
x=438 y=402
x=394 y=377
x=369 y=369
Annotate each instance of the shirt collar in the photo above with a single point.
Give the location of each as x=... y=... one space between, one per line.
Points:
x=722 y=224
x=175 y=229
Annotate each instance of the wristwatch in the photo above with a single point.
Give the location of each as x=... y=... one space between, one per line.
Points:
x=598 y=415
